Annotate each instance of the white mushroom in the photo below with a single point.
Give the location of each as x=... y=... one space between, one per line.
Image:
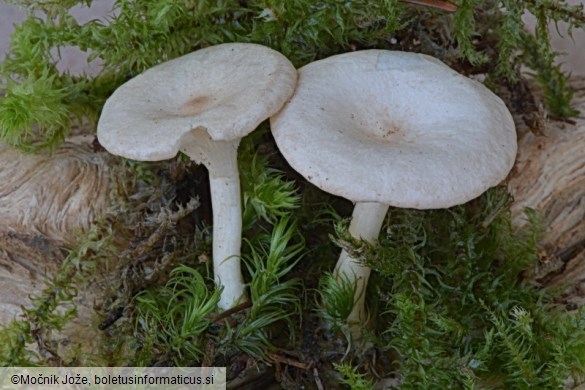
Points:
x=202 y=104
x=385 y=128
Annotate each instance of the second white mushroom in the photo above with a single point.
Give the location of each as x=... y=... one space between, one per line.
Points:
x=384 y=128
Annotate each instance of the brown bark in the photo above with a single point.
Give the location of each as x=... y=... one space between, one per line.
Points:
x=53 y=196
x=549 y=176
x=24 y=262
x=45 y=200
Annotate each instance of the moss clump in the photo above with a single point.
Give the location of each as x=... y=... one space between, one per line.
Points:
x=458 y=309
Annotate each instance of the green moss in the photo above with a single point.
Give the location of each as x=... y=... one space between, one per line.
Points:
x=353 y=379
x=175 y=316
x=457 y=307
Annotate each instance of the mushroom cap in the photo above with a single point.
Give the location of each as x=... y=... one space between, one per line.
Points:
x=397 y=128
x=226 y=90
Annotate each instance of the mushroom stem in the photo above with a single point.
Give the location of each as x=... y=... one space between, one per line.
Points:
x=221 y=160
x=227 y=233
x=366 y=223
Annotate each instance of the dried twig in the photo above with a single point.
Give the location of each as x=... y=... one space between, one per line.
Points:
x=437 y=4
x=317 y=379
x=289 y=361
x=225 y=314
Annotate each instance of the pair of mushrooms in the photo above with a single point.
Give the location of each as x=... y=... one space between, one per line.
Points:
x=380 y=128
